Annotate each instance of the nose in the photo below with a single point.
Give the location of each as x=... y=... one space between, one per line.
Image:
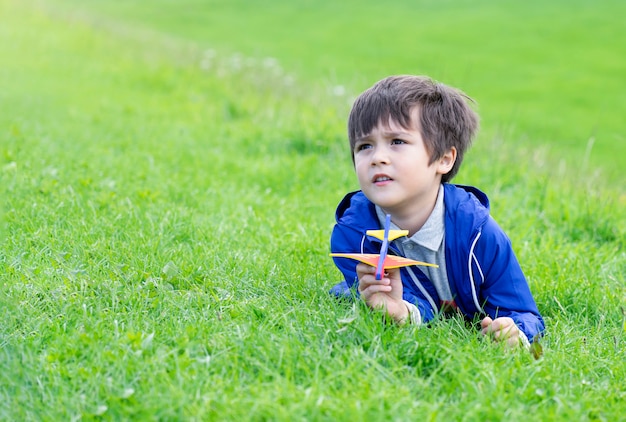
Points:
x=380 y=155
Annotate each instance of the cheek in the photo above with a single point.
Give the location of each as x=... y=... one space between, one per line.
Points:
x=361 y=174
x=358 y=164
x=360 y=169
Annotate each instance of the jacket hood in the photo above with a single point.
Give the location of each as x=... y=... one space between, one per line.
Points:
x=355 y=210
x=467 y=207
x=478 y=194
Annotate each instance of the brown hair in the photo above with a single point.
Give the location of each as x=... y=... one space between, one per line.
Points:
x=446 y=119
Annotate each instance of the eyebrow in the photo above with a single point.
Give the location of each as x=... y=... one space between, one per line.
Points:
x=386 y=134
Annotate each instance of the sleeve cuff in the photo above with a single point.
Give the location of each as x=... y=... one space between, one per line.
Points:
x=414 y=314
x=524 y=340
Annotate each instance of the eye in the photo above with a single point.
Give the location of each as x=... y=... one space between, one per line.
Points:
x=362 y=146
x=397 y=141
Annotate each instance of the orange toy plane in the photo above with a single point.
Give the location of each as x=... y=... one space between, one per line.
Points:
x=382 y=260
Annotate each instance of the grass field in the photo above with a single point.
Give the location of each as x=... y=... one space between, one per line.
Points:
x=545 y=74
x=166 y=207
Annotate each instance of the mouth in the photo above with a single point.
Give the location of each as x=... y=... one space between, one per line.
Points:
x=381 y=178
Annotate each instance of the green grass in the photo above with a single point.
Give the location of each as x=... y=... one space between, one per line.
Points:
x=165 y=229
x=546 y=74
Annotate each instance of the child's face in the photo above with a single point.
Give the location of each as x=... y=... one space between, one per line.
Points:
x=393 y=168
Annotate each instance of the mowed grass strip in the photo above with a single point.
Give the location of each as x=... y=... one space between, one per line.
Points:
x=164 y=254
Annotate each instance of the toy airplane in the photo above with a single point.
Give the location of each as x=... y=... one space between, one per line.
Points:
x=382 y=260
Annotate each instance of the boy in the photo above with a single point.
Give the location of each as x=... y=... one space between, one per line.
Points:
x=408 y=135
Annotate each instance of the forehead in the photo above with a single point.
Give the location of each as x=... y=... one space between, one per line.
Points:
x=388 y=124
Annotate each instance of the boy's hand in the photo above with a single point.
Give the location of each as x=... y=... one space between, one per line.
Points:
x=501 y=329
x=382 y=294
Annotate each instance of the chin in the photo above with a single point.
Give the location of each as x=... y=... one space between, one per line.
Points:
x=386 y=205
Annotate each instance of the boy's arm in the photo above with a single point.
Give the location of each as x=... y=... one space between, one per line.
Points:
x=505 y=291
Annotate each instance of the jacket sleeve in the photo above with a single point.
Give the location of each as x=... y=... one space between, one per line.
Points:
x=504 y=290
x=340 y=242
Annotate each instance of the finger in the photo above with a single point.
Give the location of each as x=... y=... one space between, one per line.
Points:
x=502 y=332
x=363 y=269
x=370 y=280
x=485 y=326
x=510 y=337
x=509 y=334
x=502 y=323
x=485 y=323
x=394 y=276
x=373 y=289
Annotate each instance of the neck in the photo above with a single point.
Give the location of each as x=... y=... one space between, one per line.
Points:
x=413 y=218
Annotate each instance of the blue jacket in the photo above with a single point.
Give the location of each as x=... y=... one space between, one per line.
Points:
x=484 y=274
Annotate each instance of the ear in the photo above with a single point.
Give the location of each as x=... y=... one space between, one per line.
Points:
x=446 y=162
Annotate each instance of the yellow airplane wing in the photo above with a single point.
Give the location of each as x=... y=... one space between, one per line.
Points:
x=393 y=234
